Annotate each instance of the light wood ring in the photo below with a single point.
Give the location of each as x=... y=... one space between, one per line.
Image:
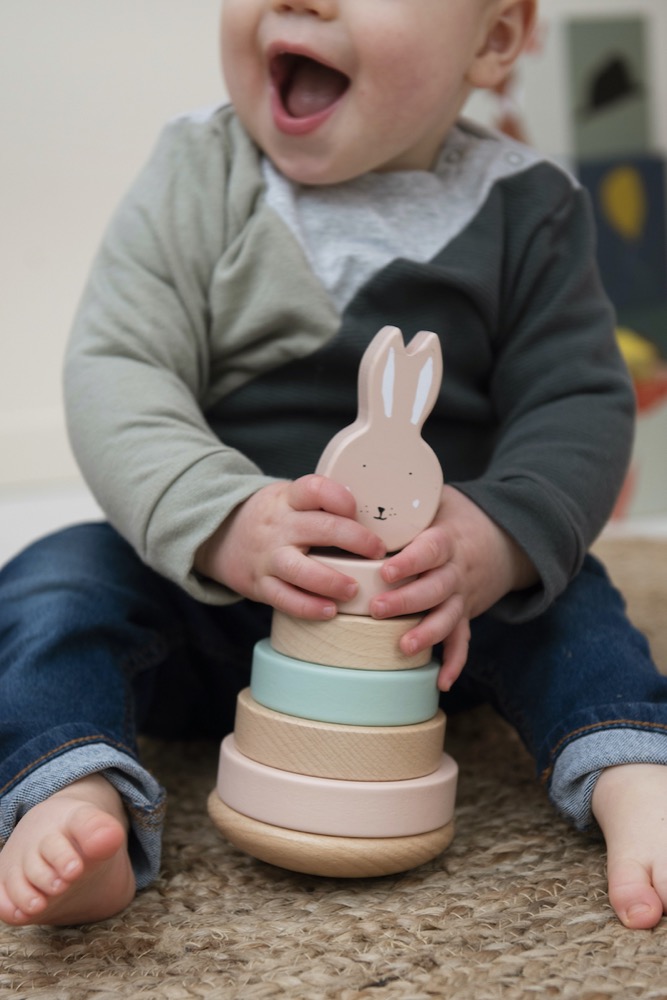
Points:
x=327 y=750
x=353 y=641
x=316 y=854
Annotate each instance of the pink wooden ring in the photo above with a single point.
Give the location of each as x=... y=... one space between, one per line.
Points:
x=335 y=807
x=367 y=574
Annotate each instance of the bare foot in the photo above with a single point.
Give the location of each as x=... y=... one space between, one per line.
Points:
x=630 y=804
x=66 y=861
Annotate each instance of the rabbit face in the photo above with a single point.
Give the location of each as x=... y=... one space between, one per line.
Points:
x=381 y=458
x=396 y=500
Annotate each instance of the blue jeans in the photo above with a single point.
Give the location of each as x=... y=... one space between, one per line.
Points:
x=96 y=648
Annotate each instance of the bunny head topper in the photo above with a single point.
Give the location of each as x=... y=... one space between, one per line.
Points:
x=393 y=474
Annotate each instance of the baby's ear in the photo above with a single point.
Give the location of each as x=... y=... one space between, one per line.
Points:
x=508 y=28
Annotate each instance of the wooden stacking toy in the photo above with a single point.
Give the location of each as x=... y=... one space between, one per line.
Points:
x=336 y=764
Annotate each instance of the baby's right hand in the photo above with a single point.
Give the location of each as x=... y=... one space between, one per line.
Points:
x=260 y=551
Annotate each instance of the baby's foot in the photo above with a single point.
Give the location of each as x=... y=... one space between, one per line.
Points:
x=66 y=861
x=630 y=804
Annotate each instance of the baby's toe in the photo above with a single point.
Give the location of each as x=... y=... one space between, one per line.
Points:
x=97 y=835
x=8 y=909
x=22 y=894
x=41 y=876
x=633 y=896
x=61 y=859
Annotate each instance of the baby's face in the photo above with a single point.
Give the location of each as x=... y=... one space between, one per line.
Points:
x=331 y=89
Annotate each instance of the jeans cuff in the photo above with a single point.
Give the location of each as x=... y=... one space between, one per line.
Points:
x=143 y=798
x=580 y=764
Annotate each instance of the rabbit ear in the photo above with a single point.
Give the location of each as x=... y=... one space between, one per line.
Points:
x=423 y=389
x=388 y=383
x=377 y=373
x=376 y=394
x=399 y=382
x=395 y=384
x=425 y=347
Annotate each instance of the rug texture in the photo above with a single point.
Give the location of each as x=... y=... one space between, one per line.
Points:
x=516 y=908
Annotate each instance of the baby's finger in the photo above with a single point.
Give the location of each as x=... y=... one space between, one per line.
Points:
x=320 y=529
x=295 y=568
x=297 y=603
x=435 y=627
x=327 y=518
x=314 y=492
x=430 y=549
x=428 y=591
x=455 y=655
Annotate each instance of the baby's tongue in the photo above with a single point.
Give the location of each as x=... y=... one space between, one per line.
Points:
x=313 y=87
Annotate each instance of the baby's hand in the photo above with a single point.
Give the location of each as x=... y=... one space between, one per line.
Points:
x=464 y=563
x=260 y=551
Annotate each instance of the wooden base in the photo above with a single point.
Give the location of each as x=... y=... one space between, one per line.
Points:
x=317 y=854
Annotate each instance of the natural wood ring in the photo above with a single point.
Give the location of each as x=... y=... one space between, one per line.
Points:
x=327 y=750
x=353 y=641
x=338 y=857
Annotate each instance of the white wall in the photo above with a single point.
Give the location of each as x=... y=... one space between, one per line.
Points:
x=84 y=87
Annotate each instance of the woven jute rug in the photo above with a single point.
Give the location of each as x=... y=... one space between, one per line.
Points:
x=515 y=908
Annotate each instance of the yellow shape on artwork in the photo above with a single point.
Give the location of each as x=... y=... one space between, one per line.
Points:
x=623 y=200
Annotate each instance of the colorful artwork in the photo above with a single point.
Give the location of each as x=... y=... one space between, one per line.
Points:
x=628 y=197
x=609 y=138
x=610 y=87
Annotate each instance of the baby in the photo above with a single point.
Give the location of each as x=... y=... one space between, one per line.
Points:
x=214 y=355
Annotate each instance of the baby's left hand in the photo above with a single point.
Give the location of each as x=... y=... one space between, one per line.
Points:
x=464 y=563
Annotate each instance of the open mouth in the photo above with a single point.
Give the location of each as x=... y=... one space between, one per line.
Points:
x=306 y=86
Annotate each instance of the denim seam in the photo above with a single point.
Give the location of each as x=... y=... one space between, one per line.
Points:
x=592 y=727
x=97 y=738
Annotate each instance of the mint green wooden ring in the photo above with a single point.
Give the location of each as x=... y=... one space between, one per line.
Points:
x=340 y=694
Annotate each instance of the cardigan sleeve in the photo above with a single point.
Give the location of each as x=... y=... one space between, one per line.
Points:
x=563 y=399
x=138 y=360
